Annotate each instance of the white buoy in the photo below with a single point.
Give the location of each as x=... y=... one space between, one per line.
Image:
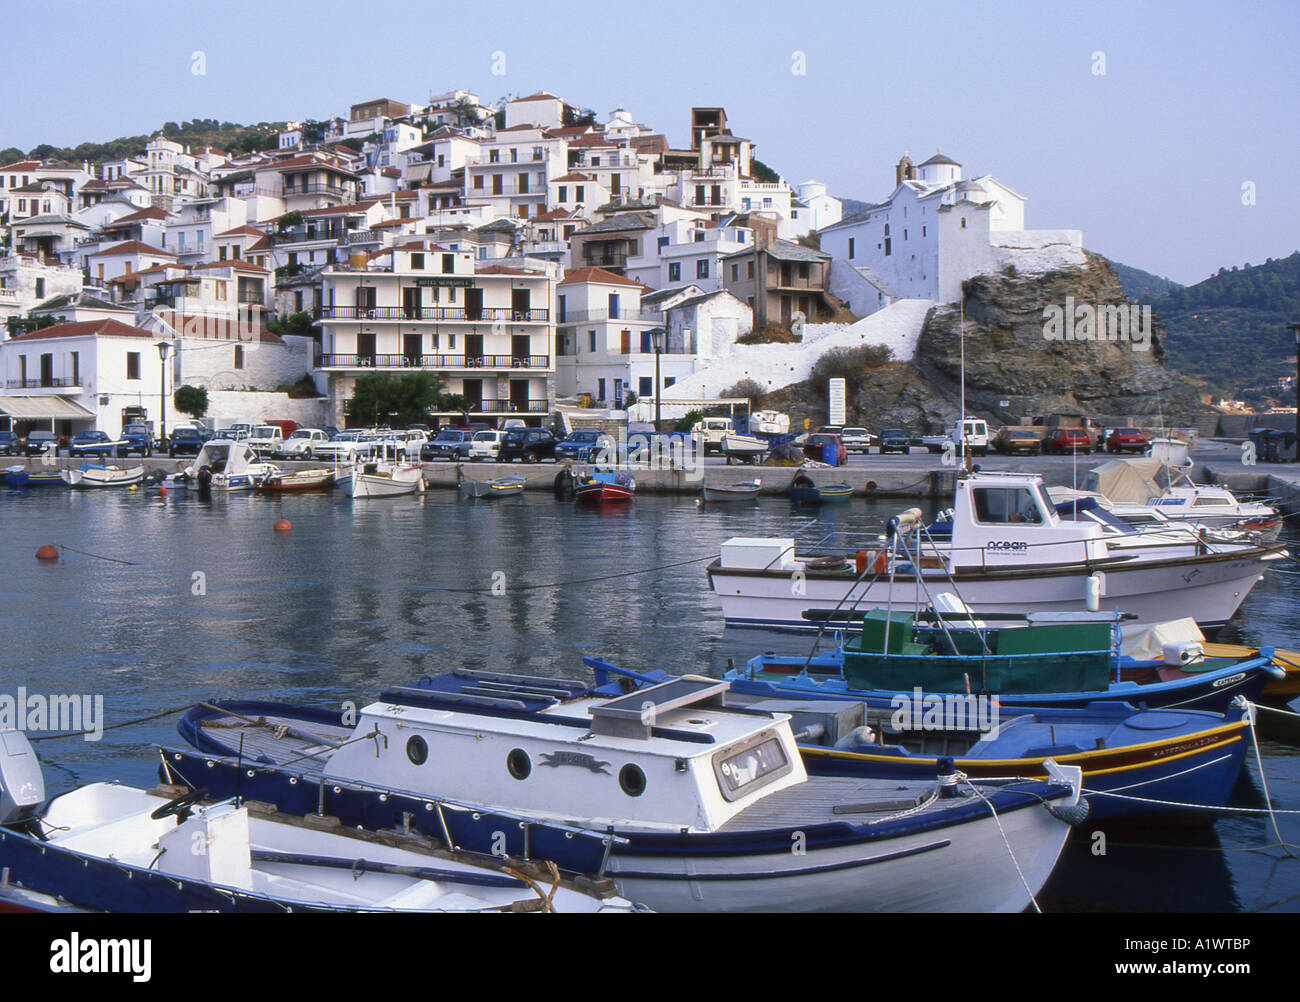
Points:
x=1092 y=592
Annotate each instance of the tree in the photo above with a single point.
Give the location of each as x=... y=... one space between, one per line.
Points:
x=762 y=173
x=191 y=400
x=298 y=324
x=29 y=323
x=381 y=397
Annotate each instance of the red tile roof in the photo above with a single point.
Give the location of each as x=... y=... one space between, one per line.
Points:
x=574 y=175
x=131 y=247
x=215 y=328
x=597 y=275
x=541 y=95
x=236 y=265
x=139 y=214
x=244 y=231
x=85 y=328
x=22 y=165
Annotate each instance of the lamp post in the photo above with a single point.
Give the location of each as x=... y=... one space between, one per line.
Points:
x=657 y=343
x=163 y=348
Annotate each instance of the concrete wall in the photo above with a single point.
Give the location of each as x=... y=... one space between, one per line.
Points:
x=227 y=407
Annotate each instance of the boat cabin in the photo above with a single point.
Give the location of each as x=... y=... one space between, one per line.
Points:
x=672 y=757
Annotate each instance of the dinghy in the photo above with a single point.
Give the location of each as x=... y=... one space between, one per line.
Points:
x=380 y=479
x=803 y=490
x=297 y=482
x=701 y=801
x=745 y=491
x=603 y=485
x=90 y=475
x=20 y=476
x=107 y=847
x=499 y=487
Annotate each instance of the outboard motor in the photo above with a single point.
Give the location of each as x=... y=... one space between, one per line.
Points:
x=22 y=785
x=205 y=478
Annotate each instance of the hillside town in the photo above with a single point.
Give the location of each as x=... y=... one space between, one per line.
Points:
x=527 y=255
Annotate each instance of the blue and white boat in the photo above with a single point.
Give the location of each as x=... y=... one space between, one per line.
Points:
x=20 y=476
x=1136 y=763
x=705 y=806
x=107 y=847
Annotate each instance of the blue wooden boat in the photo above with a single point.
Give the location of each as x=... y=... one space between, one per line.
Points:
x=804 y=491
x=19 y=476
x=1136 y=763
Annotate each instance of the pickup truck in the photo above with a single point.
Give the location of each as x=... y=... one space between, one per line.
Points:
x=710 y=431
x=136 y=437
x=266 y=439
x=976 y=436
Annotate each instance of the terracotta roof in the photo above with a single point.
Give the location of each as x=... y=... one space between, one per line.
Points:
x=594 y=139
x=574 y=175
x=246 y=231
x=149 y=213
x=131 y=247
x=597 y=275
x=501 y=269
x=237 y=265
x=541 y=95
x=553 y=215
x=131 y=277
x=214 y=328
x=22 y=165
x=569 y=130
x=84 y=328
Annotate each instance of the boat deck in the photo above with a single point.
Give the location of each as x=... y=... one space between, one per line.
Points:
x=829 y=799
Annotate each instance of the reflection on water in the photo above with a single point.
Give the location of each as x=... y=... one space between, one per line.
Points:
x=209 y=601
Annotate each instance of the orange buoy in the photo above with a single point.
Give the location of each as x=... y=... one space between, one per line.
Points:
x=47 y=552
x=282 y=525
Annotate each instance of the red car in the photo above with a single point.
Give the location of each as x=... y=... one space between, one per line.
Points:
x=813 y=447
x=1070 y=440
x=1126 y=440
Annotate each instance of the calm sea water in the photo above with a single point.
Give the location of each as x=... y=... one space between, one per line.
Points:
x=202 y=599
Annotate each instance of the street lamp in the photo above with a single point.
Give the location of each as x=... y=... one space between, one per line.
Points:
x=163 y=348
x=657 y=343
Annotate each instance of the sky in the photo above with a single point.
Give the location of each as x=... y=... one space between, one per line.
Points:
x=1167 y=133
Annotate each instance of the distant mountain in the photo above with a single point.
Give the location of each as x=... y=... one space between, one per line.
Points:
x=1231 y=329
x=849 y=206
x=1142 y=285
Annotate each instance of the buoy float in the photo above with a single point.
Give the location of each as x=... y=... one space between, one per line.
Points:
x=47 y=552
x=282 y=525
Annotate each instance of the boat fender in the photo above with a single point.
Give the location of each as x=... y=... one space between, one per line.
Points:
x=1092 y=592
x=863 y=735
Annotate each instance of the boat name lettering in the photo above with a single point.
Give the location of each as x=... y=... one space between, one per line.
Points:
x=1229 y=680
x=1006 y=544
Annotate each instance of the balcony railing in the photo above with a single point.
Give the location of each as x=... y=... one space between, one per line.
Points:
x=489 y=406
x=487 y=314
x=593 y=316
x=604 y=258
x=316 y=188
x=403 y=361
x=37 y=384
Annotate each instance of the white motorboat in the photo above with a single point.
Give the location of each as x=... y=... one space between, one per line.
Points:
x=223 y=465
x=706 y=807
x=91 y=475
x=1008 y=551
x=107 y=847
x=744 y=448
x=380 y=479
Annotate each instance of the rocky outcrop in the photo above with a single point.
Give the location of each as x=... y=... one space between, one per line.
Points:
x=1018 y=363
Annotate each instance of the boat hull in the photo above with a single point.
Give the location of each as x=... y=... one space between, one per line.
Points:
x=731 y=492
x=369 y=485
x=602 y=493
x=98 y=478
x=503 y=487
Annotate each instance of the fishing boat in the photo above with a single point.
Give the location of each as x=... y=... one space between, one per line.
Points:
x=1007 y=550
x=20 y=476
x=603 y=485
x=701 y=801
x=91 y=475
x=380 y=479
x=1136 y=763
x=744 y=491
x=109 y=847
x=804 y=490
x=744 y=448
x=297 y=482
x=222 y=465
x=497 y=487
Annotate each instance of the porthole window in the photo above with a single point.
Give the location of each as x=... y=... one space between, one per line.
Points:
x=632 y=780
x=519 y=763
x=417 y=751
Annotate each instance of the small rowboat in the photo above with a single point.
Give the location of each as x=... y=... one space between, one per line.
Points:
x=603 y=486
x=302 y=480
x=804 y=491
x=745 y=491
x=744 y=448
x=380 y=480
x=19 y=476
x=91 y=475
x=500 y=487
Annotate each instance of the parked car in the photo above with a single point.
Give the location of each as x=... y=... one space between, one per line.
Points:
x=302 y=443
x=331 y=431
x=9 y=444
x=1011 y=441
x=39 y=442
x=818 y=442
x=1126 y=440
x=856 y=439
x=235 y=433
x=486 y=445
x=710 y=431
x=1072 y=440
x=532 y=445
x=185 y=441
x=449 y=443
x=582 y=445
x=342 y=448
x=136 y=437
x=894 y=440
x=90 y=443
x=266 y=439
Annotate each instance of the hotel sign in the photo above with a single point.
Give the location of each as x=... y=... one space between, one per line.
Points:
x=836 y=393
x=459 y=283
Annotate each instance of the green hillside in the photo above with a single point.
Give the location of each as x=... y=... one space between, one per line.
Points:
x=1142 y=285
x=229 y=136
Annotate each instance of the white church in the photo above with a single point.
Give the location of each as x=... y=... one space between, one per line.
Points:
x=936 y=230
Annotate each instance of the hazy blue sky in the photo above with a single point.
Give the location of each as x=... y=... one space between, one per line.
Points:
x=1148 y=159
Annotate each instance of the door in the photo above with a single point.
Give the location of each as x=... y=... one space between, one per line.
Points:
x=366 y=348
x=519 y=395
x=519 y=350
x=473 y=392
x=411 y=350
x=474 y=351
x=474 y=304
x=411 y=303
x=519 y=303
x=365 y=301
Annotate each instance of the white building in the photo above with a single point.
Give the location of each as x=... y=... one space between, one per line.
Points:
x=935 y=230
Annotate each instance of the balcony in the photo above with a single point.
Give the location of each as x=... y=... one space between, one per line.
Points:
x=508 y=407
x=316 y=188
x=402 y=361
x=595 y=316
x=60 y=383
x=487 y=314
x=593 y=258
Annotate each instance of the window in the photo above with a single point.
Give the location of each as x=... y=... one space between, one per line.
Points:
x=675 y=271
x=1005 y=505
x=850 y=247
x=40 y=288
x=922 y=231
x=579 y=192
x=564 y=193
x=702 y=268
x=645 y=386
x=448 y=264
x=498 y=186
x=750 y=269
x=669 y=381
x=591 y=336
x=478 y=181
x=699 y=236
x=239 y=356
x=219 y=289
x=417 y=262
x=963 y=224
x=735 y=272
x=699 y=194
x=613 y=305
x=132 y=365
x=76 y=368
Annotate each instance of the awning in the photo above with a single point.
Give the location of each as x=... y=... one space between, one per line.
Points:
x=51 y=408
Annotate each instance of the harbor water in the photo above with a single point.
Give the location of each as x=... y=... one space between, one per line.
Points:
x=156 y=603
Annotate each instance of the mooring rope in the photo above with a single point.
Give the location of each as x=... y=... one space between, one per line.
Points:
x=961 y=776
